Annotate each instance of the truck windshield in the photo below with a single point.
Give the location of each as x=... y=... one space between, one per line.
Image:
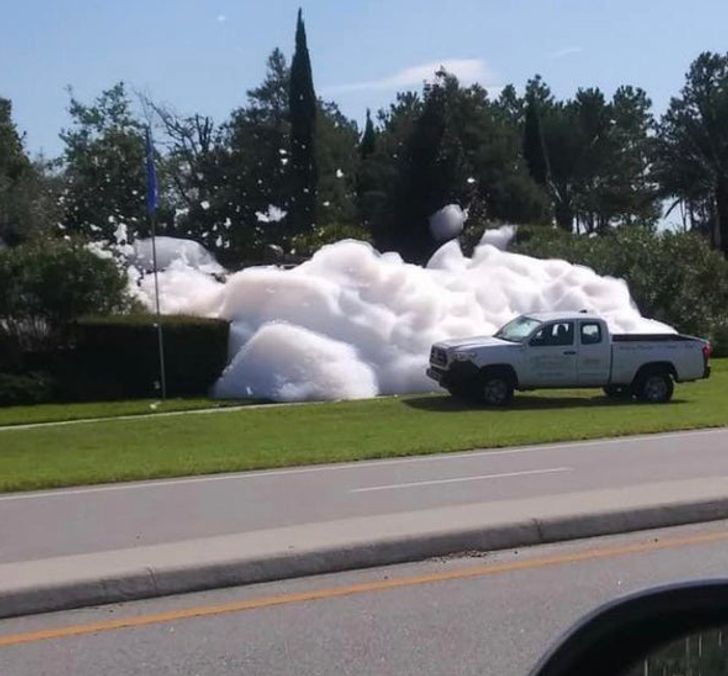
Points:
x=517 y=330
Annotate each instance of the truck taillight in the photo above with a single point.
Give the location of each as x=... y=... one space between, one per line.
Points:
x=707 y=350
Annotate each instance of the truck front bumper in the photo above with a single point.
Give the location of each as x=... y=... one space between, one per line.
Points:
x=457 y=373
x=437 y=374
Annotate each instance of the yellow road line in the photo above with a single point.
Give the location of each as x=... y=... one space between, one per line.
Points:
x=361 y=588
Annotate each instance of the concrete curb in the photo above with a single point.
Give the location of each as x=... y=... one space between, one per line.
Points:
x=260 y=556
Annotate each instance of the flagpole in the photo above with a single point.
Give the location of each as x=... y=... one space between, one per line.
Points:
x=160 y=338
x=152 y=211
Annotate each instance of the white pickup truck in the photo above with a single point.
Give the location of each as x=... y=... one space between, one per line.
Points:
x=567 y=349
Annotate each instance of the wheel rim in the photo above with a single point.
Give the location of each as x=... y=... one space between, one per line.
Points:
x=655 y=388
x=495 y=391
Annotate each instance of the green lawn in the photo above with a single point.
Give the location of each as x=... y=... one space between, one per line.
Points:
x=119 y=450
x=22 y=415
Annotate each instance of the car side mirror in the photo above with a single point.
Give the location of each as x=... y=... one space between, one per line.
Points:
x=668 y=631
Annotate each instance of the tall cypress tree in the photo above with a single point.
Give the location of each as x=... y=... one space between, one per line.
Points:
x=534 y=150
x=368 y=140
x=368 y=195
x=303 y=169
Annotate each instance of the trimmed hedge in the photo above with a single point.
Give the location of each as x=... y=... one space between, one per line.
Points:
x=32 y=388
x=118 y=357
x=719 y=338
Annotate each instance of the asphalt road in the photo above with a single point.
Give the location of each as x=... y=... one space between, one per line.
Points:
x=92 y=519
x=494 y=615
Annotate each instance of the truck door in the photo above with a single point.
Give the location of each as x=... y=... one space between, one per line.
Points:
x=594 y=354
x=551 y=356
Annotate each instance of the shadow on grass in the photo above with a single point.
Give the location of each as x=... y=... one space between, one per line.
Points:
x=522 y=402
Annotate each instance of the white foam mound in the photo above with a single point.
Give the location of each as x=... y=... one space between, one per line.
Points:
x=290 y=363
x=171 y=250
x=499 y=237
x=447 y=223
x=352 y=322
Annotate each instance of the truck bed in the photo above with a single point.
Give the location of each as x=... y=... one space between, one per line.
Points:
x=639 y=337
x=631 y=350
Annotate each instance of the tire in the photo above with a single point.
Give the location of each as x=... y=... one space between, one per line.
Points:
x=496 y=390
x=618 y=391
x=655 y=387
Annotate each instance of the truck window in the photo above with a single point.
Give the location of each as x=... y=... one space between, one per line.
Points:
x=591 y=334
x=518 y=329
x=555 y=335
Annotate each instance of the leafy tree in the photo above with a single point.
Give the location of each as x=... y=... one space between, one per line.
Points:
x=534 y=151
x=692 y=148
x=591 y=155
x=627 y=193
x=13 y=160
x=337 y=160
x=46 y=283
x=14 y=170
x=453 y=145
x=380 y=172
x=103 y=163
x=369 y=138
x=303 y=107
x=429 y=170
x=366 y=180
x=254 y=155
x=190 y=171
x=243 y=171
x=510 y=104
x=27 y=199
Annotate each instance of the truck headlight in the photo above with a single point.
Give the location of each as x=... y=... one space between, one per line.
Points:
x=464 y=356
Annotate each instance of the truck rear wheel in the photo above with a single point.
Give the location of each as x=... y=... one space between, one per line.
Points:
x=496 y=389
x=655 y=387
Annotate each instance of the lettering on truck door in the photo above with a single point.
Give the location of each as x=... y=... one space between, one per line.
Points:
x=552 y=356
x=594 y=354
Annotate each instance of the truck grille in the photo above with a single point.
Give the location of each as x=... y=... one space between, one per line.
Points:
x=438 y=356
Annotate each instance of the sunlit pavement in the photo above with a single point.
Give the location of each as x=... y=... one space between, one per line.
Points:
x=491 y=614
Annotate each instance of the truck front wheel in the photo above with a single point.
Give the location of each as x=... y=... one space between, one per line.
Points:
x=655 y=387
x=496 y=390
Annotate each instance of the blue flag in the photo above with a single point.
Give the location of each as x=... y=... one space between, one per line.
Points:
x=152 y=195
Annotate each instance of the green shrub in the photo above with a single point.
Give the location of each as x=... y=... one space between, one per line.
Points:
x=47 y=283
x=118 y=356
x=719 y=340
x=673 y=277
x=10 y=354
x=32 y=388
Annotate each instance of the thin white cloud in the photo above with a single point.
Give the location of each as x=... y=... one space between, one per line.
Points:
x=221 y=18
x=565 y=51
x=466 y=70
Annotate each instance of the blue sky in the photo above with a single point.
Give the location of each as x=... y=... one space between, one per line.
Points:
x=202 y=55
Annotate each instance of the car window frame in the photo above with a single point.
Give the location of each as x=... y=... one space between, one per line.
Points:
x=581 y=333
x=550 y=325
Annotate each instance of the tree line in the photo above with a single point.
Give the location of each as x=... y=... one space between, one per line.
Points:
x=288 y=170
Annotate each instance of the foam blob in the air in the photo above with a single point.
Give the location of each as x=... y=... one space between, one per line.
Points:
x=174 y=249
x=447 y=223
